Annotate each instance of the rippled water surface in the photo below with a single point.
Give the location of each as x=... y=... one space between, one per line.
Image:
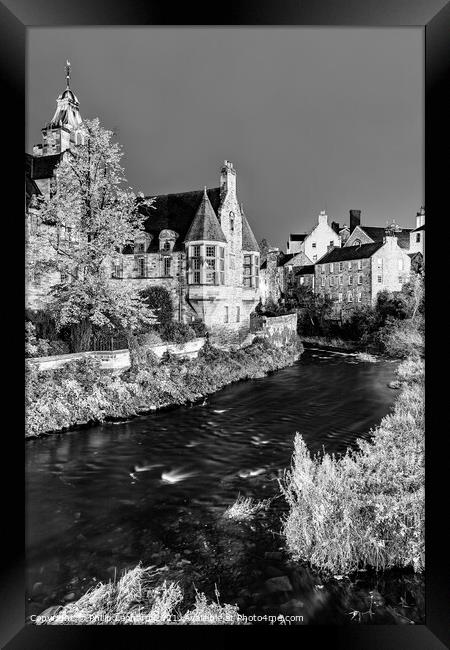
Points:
x=103 y=498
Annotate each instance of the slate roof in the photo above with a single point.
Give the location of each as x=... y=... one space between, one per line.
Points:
x=249 y=242
x=377 y=234
x=350 y=253
x=298 y=237
x=205 y=225
x=175 y=212
x=419 y=228
x=305 y=270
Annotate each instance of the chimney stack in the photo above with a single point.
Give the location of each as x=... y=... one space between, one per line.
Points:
x=355 y=219
x=420 y=218
x=227 y=179
x=323 y=217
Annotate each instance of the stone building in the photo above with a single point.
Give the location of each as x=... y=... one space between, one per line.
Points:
x=417 y=236
x=354 y=275
x=198 y=245
x=359 y=234
x=315 y=243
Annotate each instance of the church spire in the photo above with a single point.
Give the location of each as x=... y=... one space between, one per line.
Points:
x=67 y=73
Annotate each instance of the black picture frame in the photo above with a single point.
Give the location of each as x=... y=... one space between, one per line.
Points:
x=434 y=17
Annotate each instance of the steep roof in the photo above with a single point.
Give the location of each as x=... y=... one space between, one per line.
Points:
x=377 y=234
x=175 y=212
x=419 y=228
x=297 y=237
x=249 y=242
x=350 y=253
x=205 y=225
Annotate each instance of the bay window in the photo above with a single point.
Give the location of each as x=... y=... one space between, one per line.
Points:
x=206 y=264
x=250 y=271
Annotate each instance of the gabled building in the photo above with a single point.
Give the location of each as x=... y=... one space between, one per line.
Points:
x=354 y=275
x=417 y=236
x=359 y=234
x=198 y=244
x=315 y=243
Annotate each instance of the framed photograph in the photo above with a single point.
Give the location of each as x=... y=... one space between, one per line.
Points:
x=224 y=287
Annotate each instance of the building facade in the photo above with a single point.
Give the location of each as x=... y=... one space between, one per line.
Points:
x=198 y=245
x=354 y=275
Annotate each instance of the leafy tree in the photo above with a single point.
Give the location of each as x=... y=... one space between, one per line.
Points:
x=159 y=300
x=85 y=224
x=264 y=248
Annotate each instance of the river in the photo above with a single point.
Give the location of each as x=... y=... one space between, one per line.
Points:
x=153 y=489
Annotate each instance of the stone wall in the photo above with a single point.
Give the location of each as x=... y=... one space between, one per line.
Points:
x=279 y=329
x=119 y=359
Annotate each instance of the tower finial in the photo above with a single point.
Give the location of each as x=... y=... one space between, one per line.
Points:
x=68 y=73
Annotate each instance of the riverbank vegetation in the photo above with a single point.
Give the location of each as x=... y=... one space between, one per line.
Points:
x=365 y=508
x=394 y=326
x=141 y=597
x=80 y=393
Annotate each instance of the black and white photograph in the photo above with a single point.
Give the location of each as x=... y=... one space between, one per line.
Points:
x=225 y=266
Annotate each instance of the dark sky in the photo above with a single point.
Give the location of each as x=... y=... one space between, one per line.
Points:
x=312 y=118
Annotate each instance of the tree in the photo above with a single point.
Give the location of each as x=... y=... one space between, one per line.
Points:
x=264 y=248
x=86 y=223
x=159 y=300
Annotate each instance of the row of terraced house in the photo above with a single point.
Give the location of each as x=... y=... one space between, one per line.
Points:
x=350 y=264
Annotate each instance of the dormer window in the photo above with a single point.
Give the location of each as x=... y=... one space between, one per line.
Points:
x=167 y=240
x=142 y=243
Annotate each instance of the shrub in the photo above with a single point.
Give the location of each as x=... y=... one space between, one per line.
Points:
x=244 y=508
x=367 y=507
x=149 y=338
x=175 y=332
x=140 y=597
x=402 y=339
x=199 y=328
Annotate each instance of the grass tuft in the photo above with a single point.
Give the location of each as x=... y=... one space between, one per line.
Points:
x=244 y=508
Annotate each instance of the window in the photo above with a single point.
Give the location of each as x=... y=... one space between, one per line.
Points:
x=167 y=265
x=238 y=314
x=117 y=271
x=380 y=278
x=340 y=279
x=232 y=221
x=221 y=265
x=349 y=266
x=350 y=279
x=360 y=279
x=194 y=264
x=349 y=297
x=251 y=271
x=418 y=238
x=64 y=276
x=400 y=279
x=331 y=281
x=226 y=318
x=331 y=243
x=400 y=264
x=314 y=244
x=140 y=247
x=314 y=258
x=302 y=280
x=210 y=251
x=323 y=282
x=359 y=265
x=359 y=297
x=341 y=266
x=232 y=261
x=340 y=297
x=331 y=267
x=166 y=246
x=141 y=267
